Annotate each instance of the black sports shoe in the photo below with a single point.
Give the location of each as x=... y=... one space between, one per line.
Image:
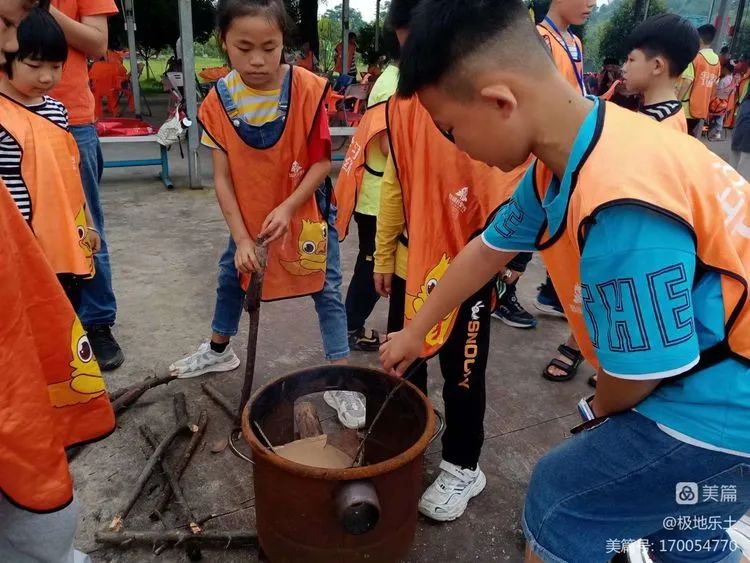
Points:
x=509 y=310
x=106 y=349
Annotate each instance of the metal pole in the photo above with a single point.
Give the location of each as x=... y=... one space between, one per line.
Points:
x=645 y=12
x=345 y=39
x=721 y=15
x=191 y=103
x=738 y=26
x=377 y=24
x=134 y=83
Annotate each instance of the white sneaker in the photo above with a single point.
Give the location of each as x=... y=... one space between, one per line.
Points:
x=203 y=361
x=350 y=407
x=740 y=534
x=447 y=498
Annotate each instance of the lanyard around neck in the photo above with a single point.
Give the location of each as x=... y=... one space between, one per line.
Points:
x=561 y=38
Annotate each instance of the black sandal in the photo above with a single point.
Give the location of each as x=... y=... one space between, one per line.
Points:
x=592 y=381
x=570 y=369
x=361 y=341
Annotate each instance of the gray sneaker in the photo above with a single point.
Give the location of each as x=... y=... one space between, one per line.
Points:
x=203 y=361
x=350 y=407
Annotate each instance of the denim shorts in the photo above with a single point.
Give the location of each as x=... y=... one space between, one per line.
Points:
x=625 y=480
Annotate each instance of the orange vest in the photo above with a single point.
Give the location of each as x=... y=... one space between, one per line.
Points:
x=353 y=170
x=687 y=182
x=49 y=167
x=570 y=69
x=448 y=199
x=678 y=122
x=53 y=392
x=264 y=178
x=706 y=76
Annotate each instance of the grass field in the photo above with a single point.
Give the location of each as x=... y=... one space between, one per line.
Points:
x=152 y=82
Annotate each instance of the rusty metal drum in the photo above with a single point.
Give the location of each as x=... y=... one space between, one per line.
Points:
x=369 y=513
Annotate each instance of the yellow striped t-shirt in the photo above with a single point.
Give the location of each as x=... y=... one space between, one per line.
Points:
x=256 y=107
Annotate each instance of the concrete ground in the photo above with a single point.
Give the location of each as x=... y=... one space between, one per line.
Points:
x=164 y=250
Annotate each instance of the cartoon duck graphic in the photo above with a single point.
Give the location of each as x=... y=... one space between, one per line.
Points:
x=312 y=247
x=439 y=332
x=81 y=229
x=86 y=381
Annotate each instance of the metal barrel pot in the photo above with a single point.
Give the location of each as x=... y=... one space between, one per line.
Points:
x=309 y=514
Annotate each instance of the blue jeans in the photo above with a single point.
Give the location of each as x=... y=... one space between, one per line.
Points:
x=619 y=481
x=328 y=303
x=98 y=305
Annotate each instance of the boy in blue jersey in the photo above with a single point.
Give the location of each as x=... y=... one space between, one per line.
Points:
x=646 y=232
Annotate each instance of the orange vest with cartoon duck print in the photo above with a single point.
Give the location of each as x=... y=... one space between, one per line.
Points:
x=49 y=167
x=570 y=67
x=352 y=171
x=448 y=199
x=53 y=394
x=706 y=76
x=264 y=178
x=689 y=184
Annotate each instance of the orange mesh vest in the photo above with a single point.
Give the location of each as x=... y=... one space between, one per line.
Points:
x=349 y=181
x=687 y=183
x=53 y=393
x=706 y=75
x=678 y=122
x=570 y=69
x=448 y=198
x=49 y=167
x=264 y=178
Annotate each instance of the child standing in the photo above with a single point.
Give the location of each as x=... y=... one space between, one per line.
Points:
x=271 y=153
x=567 y=54
x=38 y=155
x=661 y=48
x=645 y=234
x=719 y=105
x=699 y=81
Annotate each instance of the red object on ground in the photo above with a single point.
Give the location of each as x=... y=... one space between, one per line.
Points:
x=123 y=127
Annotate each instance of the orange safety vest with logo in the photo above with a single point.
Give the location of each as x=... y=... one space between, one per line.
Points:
x=572 y=70
x=705 y=77
x=687 y=183
x=448 y=199
x=264 y=178
x=53 y=394
x=49 y=168
x=353 y=170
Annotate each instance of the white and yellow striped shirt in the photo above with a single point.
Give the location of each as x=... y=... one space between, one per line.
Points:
x=256 y=107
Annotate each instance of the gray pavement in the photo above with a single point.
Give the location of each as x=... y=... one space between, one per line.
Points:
x=164 y=251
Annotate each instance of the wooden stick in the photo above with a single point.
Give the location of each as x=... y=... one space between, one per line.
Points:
x=306 y=420
x=179 y=494
x=228 y=537
x=121 y=514
x=187 y=454
x=125 y=398
x=218 y=398
x=252 y=306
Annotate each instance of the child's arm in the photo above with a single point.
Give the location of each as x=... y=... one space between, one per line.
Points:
x=93 y=236
x=90 y=35
x=244 y=259
x=390 y=225
x=277 y=222
x=472 y=268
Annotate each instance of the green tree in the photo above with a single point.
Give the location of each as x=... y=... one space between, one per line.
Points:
x=330 y=35
x=614 y=33
x=356 y=22
x=158 y=26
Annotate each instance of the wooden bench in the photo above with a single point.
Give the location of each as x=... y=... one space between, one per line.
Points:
x=162 y=161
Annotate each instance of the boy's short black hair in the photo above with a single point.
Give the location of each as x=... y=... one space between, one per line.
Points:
x=707 y=33
x=40 y=38
x=669 y=36
x=728 y=66
x=448 y=36
x=399 y=14
x=611 y=61
x=724 y=50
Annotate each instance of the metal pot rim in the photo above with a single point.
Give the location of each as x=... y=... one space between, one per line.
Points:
x=350 y=474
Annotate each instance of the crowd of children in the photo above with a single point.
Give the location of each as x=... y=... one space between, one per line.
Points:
x=648 y=263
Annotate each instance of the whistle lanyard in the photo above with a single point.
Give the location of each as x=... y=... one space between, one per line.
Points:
x=561 y=39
